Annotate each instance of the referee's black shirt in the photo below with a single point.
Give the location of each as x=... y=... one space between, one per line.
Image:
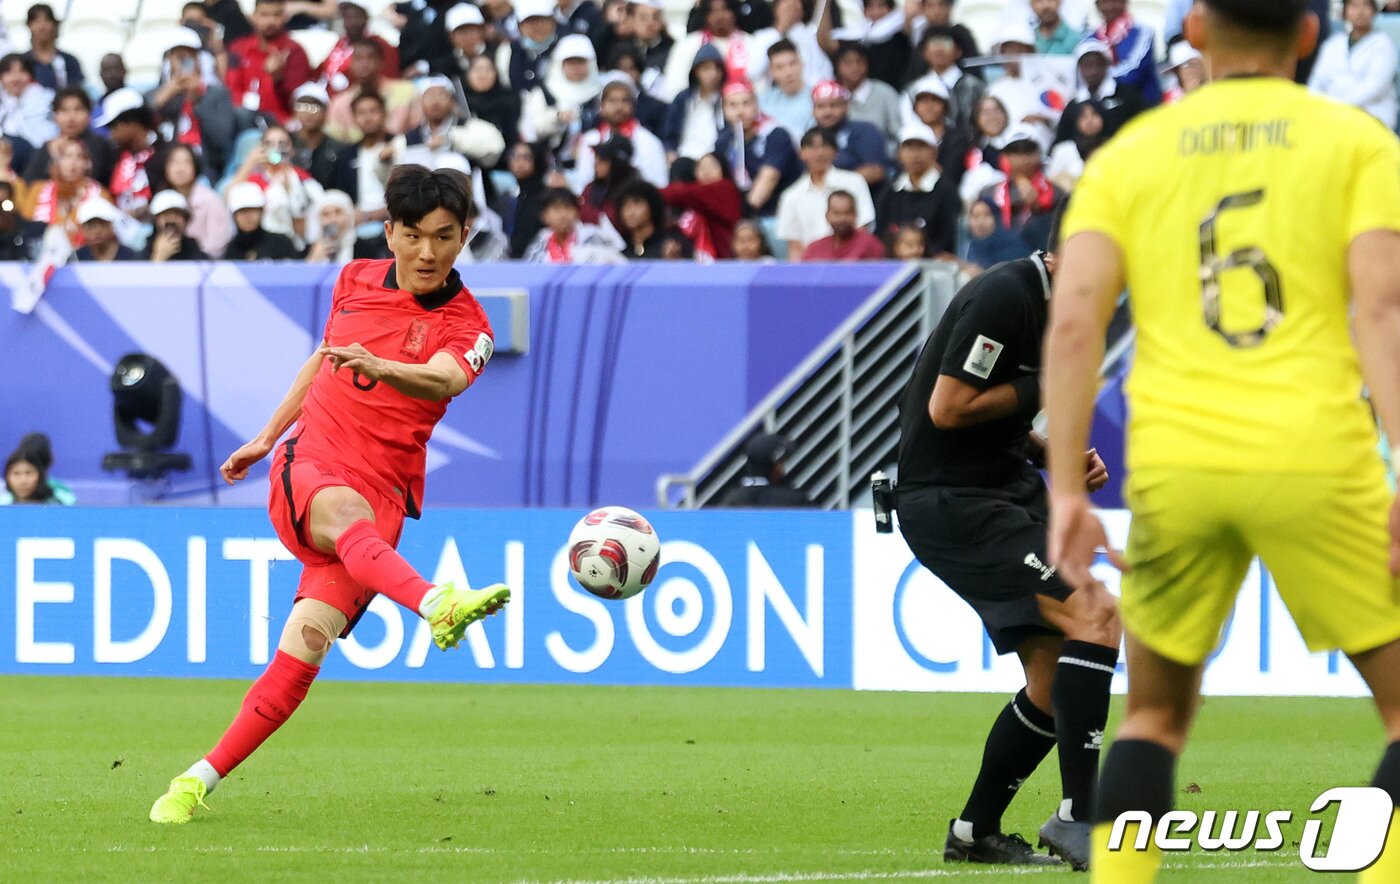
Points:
x=990 y=335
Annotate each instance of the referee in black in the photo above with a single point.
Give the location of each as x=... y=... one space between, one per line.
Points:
x=972 y=506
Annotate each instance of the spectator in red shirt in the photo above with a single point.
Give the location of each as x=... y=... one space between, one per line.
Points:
x=847 y=241
x=266 y=67
x=334 y=70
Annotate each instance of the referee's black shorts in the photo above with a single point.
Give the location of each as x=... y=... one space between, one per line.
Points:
x=989 y=546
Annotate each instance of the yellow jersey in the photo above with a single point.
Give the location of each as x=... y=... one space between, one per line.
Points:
x=1234 y=210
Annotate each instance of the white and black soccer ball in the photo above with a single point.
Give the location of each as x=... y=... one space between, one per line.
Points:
x=614 y=552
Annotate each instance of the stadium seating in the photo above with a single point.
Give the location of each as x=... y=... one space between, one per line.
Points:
x=145 y=53
x=317 y=43
x=159 y=12
x=92 y=41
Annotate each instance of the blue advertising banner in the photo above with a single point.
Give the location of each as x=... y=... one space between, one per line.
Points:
x=739 y=601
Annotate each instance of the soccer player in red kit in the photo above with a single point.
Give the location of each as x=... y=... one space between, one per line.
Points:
x=403 y=338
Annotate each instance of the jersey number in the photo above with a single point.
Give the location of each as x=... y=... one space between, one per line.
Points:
x=1213 y=264
x=362 y=383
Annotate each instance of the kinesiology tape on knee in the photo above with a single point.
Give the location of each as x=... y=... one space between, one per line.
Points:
x=327 y=623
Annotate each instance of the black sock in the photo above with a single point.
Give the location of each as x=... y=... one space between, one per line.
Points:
x=1019 y=740
x=1388 y=774
x=1080 y=698
x=1137 y=775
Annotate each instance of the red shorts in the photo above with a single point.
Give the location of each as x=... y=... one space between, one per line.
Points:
x=295 y=481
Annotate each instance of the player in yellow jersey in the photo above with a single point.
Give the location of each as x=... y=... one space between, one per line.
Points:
x=1249 y=222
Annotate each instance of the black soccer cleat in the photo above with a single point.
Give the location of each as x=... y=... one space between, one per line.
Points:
x=998 y=849
x=1067 y=840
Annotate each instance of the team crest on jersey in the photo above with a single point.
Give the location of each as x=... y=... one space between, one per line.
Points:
x=480 y=353
x=983 y=357
x=415 y=339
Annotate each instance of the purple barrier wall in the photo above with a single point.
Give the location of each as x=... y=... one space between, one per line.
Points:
x=631 y=371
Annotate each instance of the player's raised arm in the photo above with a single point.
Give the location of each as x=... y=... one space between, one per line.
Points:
x=441 y=377
x=1089 y=278
x=238 y=463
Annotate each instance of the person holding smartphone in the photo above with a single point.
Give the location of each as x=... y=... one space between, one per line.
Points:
x=192 y=107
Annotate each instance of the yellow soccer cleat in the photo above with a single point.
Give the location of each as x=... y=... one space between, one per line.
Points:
x=177 y=805
x=456 y=609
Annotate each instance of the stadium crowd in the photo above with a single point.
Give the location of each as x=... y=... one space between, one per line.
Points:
x=796 y=129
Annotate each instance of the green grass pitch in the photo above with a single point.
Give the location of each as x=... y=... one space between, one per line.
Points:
x=399 y=782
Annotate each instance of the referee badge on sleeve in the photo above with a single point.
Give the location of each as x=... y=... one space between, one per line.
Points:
x=983 y=357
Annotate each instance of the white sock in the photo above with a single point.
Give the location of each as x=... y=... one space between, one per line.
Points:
x=1067 y=810
x=962 y=830
x=205 y=771
x=425 y=607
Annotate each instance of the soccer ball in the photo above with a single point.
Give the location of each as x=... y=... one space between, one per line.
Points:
x=614 y=552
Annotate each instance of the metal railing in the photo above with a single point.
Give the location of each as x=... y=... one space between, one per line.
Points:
x=840 y=406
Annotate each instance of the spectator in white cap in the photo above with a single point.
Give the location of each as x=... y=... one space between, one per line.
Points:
x=24 y=104
x=170 y=216
x=940 y=50
x=99 y=220
x=290 y=191
x=54 y=69
x=554 y=110
x=354 y=21
x=131 y=126
x=1117 y=101
x=1358 y=67
x=331 y=232
x=325 y=158
x=466 y=31
x=920 y=195
x=444 y=141
x=1030 y=96
x=929 y=105
x=720 y=32
x=177 y=168
x=246 y=202
x=1025 y=200
x=617 y=107
x=365 y=73
x=524 y=62
x=191 y=108
x=1185 y=70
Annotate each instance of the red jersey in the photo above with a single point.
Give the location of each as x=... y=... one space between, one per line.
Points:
x=248 y=82
x=367 y=427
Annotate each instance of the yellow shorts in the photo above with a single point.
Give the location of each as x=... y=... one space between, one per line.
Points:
x=1325 y=539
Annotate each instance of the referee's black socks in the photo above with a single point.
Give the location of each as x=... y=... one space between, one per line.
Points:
x=1080 y=698
x=1019 y=740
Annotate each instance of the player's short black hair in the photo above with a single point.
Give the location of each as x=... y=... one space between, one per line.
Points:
x=415 y=191
x=1279 y=17
x=40 y=10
